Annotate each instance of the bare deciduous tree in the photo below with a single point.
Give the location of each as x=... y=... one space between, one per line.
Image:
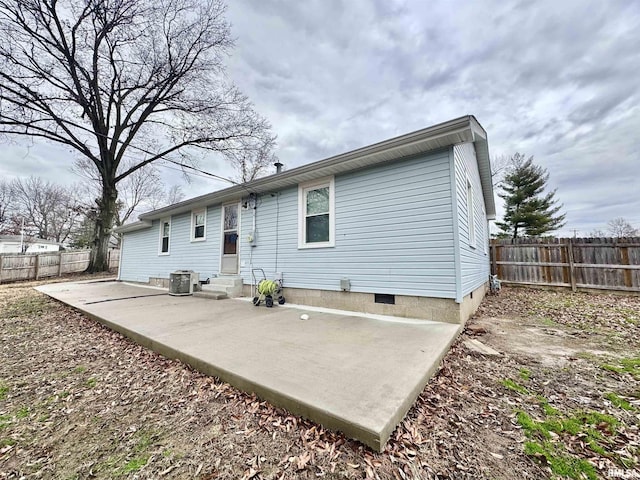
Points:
x=252 y=163
x=499 y=166
x=141 y=191
x=173 y=195
x=7 y=203
x=49 y=211
x=620 y=227
x=122 y=80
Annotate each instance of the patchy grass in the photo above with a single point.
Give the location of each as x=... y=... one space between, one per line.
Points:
x=525 y=374
x=5 y=442
x=4 y=389
x=23 y=412
x=511 y=385
x=624 y=366
x=143 y=415
x=561 y=463
x=32 y=306
x=552 y=434
x=134 y=464
x=4 y=421
x=619 y=402
x=140 y=455
x=549 y=322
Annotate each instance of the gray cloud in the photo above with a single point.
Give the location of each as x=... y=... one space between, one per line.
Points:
x=556 y=80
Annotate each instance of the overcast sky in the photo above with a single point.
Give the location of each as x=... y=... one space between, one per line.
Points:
x=559 y=80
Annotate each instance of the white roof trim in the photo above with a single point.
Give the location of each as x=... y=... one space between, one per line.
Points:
x=460 y=130
x=132 y=227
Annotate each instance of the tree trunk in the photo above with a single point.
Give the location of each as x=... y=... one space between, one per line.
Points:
x=104 y=223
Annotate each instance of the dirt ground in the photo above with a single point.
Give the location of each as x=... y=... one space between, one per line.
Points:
x=560 y=398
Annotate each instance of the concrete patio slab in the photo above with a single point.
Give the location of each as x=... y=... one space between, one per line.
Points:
x=354 y=374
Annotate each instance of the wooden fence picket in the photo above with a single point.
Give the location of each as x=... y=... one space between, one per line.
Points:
x=589 y=263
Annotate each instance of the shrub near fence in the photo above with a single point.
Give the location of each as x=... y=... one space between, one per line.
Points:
x=591 y=263
x=14 y=267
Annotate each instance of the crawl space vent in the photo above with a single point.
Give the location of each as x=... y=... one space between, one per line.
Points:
x=385 y=298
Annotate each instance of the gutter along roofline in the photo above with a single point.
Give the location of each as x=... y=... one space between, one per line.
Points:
x=460 y=130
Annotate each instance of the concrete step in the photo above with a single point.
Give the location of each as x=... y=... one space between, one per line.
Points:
x=214 y=289
x=227 y=281
x=211 y=295
x=232 y=287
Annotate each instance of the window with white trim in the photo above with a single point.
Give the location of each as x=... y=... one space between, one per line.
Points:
x=165 y=233
x=471 y=224
x=485 y=230
x=316 y=214
x=198 y=225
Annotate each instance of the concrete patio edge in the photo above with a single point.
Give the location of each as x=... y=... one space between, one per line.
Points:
x=375 y=438
x=370 y=438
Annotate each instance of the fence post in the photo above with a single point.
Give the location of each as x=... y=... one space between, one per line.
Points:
x=624 y=254
x=37 y=265
x=546 y=269
x=492 y=252
x=572 y=270
x=59 y=264
x=1 y=256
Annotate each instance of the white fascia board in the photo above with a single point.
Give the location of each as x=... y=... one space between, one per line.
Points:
x=132 y=227
x=438 y=136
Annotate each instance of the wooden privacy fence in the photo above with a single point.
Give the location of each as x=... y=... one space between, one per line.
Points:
x=14 y=267
x=592 y=263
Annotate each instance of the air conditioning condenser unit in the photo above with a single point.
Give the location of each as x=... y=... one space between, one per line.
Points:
x=182 y=282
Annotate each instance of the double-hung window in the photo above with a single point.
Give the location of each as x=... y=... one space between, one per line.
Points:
x=471 y=221
x=316 y=214
x=198 y=225
x=165 y=233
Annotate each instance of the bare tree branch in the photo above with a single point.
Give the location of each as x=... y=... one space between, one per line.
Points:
x=125 y=82
x=49 y=211
x=620 y=227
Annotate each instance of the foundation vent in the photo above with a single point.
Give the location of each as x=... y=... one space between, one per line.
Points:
x=385 y=298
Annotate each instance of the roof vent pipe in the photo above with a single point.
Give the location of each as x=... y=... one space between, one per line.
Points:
x=278 y=167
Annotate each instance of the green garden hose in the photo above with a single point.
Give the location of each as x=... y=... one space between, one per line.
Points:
x=267 y=287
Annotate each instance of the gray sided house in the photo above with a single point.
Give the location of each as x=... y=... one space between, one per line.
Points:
x=405 y=221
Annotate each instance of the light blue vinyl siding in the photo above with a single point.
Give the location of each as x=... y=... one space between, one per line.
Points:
x=140 y=259
x=474 y=262
x=393 y=233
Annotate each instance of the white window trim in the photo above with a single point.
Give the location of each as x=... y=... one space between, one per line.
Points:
x=485 y=231
x=193 y=225
x=302 y=224
x=471 y=220
x=160 y=252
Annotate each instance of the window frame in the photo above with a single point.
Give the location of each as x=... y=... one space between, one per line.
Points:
x=485 y=231
x=194 y=213
x=161 y=236
x=471 y=220
x=303 y=189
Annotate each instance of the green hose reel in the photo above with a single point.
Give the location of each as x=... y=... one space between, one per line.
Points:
x=267 y=287
x=269 y=291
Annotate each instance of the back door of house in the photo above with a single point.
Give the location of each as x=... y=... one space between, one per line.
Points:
x=230 y=223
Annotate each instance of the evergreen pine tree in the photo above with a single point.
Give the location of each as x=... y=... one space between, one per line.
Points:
x=527 y=210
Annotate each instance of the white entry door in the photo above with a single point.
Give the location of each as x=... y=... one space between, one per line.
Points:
x=230 y=238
